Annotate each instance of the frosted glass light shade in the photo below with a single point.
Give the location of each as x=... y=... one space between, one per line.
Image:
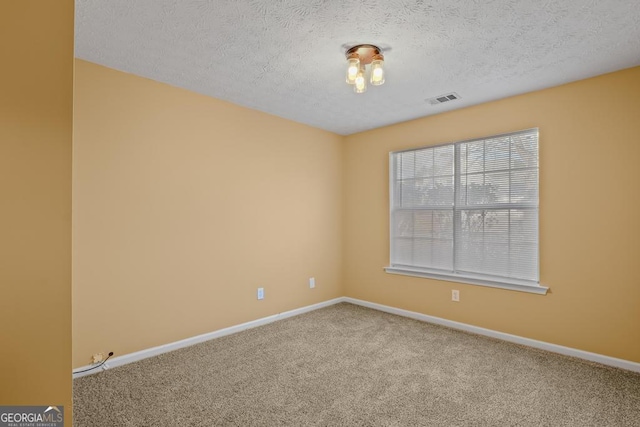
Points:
x=360 y=83
x=353 y=67
x=377 y=72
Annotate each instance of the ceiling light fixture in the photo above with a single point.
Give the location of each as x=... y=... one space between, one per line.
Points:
x=358 y=57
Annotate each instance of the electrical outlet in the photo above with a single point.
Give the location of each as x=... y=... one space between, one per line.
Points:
x=97 y=358
x=455 y=295
x=312 y=282
x=260 y=293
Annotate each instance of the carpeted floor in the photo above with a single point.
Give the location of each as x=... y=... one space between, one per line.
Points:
x=347 y=365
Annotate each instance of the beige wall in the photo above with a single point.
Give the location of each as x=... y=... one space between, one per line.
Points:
x=589 y=216
x=36 y=83
x=184 y=205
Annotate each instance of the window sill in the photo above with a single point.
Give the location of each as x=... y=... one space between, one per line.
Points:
x=514 y=285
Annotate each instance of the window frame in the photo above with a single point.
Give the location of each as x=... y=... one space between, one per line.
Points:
x=454 y=276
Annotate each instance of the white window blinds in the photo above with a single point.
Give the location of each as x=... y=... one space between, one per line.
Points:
x=468 y=209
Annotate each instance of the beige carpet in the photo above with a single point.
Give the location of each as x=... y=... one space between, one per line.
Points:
x=351 y=366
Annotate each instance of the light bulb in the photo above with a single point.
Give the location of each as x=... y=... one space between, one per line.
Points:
x=377 y=70
x=353 y=66
x=360 y=83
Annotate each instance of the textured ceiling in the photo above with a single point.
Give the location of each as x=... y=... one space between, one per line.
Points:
x=286 y=57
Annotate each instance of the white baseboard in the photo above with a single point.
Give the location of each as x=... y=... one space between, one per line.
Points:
x=154 y=351
x=554 y=348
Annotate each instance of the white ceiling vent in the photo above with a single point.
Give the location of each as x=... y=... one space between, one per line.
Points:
x=443 y=98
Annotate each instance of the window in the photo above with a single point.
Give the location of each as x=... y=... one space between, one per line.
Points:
x=468 y=211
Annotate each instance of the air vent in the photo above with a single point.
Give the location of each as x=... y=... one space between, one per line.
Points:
x=443 y=98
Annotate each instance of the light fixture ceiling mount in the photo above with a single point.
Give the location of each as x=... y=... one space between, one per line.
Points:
x=358 y=57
